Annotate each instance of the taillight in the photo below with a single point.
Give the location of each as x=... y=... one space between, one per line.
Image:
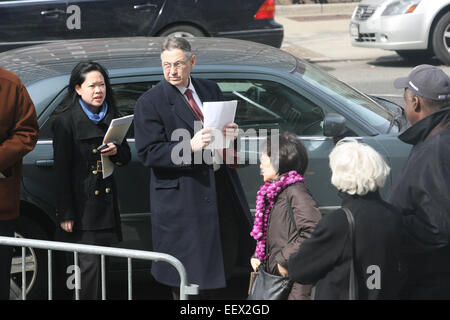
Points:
x=266 y=11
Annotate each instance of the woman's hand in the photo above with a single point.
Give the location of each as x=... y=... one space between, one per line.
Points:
x=255 y=263
x=67 y=226
x=282 y=270
x=111 y=150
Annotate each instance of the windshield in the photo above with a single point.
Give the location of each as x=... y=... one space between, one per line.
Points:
x=364 y=107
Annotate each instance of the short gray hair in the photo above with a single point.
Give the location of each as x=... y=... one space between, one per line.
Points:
x=181 y=43
x=357 y=168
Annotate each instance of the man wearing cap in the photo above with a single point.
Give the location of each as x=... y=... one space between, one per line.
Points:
x=422 y=190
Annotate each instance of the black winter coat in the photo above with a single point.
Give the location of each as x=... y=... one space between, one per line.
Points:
x=83 y=195
x=324 y=259
x=421 y=193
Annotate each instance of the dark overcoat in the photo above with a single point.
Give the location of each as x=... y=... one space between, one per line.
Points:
x=82 y=194
x=324 y=259
x=183 y=202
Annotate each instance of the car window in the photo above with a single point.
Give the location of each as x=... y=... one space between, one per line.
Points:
x=126 y=95
x=360 y=104
x=266 y=104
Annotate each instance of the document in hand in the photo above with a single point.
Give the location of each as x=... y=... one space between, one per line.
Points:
x=116 y=133
x=216 y=115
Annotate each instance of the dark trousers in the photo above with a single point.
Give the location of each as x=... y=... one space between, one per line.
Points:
x=7 y=228
x=90 y=264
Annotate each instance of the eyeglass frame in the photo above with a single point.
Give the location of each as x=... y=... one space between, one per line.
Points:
x=177 y=65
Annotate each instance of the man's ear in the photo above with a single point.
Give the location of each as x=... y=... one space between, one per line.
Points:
x=417 y=104
x=193 y=59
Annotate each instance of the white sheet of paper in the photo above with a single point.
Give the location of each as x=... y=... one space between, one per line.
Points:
x=216 y=115
x=2 y=176
x=116 y=133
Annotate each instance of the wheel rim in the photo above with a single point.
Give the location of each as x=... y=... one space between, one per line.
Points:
x=446 y=38
x=31 y=268
x=183 y=34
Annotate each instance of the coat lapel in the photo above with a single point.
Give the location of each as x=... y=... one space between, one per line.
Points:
x=178 y=104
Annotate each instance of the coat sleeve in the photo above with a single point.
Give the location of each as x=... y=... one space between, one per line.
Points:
x=153 y=144
x=24 y=133
x=63 y=159
x=319 y=254
x=306 y=216
x=123 y=155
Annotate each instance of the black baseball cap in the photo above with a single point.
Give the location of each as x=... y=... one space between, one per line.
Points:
x=426 y=81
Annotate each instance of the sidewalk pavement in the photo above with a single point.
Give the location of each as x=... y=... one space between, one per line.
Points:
x=320 y=32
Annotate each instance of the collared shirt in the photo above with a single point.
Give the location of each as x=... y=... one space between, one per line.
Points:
x=194 y=94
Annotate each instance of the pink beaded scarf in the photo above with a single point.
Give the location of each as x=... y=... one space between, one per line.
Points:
x=265 y=200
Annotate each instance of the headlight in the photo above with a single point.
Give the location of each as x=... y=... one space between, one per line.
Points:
x=400 y=7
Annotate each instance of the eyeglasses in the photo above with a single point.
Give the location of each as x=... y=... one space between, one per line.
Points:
x=176 y=65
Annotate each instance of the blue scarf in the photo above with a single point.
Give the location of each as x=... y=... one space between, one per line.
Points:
x=95 y=117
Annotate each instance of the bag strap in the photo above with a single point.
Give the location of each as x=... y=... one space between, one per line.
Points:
x=291 y=213
x=352 y=281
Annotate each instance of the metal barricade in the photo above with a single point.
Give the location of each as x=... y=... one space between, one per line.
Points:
x=185 y=287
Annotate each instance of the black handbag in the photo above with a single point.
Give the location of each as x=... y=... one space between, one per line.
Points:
x=266 y=286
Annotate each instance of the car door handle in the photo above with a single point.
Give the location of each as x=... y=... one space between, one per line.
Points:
x=44 y=163
x=145 y=7
x=52 y=13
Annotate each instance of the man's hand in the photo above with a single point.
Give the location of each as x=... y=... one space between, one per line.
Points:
x=230 y=131
x=201 y=139
x=67 y=226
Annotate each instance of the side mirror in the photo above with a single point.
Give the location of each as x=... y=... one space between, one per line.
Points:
x=333 y=125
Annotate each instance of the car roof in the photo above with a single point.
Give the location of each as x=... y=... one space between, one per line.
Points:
x=39 y=62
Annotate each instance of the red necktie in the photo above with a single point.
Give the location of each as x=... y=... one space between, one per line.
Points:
x=198 y=113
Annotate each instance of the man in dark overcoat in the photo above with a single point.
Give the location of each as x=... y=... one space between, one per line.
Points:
x=199 y=211
x=422 y=190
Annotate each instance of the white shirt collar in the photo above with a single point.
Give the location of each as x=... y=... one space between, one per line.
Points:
x=191 y=87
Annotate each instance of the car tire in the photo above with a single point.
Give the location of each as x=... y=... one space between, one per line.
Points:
x=415 y=55
x=182 y=30
x=35 y=266
x=441 y=42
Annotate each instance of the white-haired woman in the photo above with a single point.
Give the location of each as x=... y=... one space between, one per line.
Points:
x=358 y=172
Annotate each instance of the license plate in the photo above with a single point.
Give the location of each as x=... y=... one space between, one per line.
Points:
x=354 y=30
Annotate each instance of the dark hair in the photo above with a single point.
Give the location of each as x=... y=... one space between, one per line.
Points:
x=290 y=155
x=177 y=43
x=78 y=76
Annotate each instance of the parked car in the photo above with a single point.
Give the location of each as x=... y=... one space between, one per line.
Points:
x=25 y=23
x=415 y=29
x=274 y=89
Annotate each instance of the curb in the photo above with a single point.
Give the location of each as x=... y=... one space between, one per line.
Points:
x=315 y=9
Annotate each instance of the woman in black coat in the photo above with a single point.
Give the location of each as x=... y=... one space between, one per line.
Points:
x=87 y=205
x=358 y=171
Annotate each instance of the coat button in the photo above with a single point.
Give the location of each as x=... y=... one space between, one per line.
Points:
x=107 y=190
x=96 y=192
x=94 y=150
x=118 y=164
x=94 y=172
